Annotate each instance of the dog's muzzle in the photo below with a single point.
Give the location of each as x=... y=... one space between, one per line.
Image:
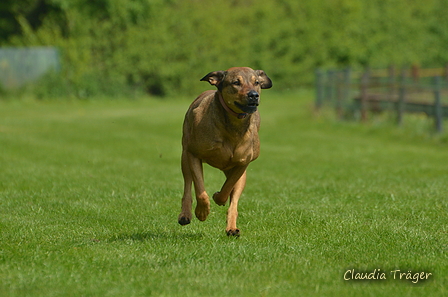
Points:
x=253 y=100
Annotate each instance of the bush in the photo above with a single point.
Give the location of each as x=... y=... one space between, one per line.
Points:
x=165 y=47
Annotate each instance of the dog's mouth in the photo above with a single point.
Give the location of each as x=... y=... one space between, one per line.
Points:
x=249 y=108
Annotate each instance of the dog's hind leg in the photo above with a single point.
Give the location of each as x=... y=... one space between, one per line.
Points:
x=187 y=200
x=232 y=212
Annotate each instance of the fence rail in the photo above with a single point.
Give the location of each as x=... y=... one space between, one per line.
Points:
x=376 y=90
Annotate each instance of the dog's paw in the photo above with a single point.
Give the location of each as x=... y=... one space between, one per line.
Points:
x=184 y=219
x=233 y=232
x=218 y=200
x=202 y=211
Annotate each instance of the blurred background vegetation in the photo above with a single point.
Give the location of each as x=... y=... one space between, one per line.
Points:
x=162 y=47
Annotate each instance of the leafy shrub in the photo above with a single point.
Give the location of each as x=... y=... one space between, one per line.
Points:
x=164 y=47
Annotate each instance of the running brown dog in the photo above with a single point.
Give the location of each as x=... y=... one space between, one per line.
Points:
x=221 y=129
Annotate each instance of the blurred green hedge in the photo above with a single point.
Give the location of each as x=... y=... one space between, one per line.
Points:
x=163 y=47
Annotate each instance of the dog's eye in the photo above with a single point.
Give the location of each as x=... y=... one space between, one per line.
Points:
x=236 y=83
x=257 y=83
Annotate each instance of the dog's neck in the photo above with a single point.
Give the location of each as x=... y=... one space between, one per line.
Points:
x=229 y=110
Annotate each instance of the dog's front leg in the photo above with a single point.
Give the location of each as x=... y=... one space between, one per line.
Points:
x=233 y=175
x=232 y=212
x=233 y=187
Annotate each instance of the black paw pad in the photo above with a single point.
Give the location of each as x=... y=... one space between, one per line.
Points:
x=235 y=232
x=184 y=221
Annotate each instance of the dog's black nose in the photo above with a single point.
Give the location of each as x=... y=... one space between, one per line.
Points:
x=253 y=97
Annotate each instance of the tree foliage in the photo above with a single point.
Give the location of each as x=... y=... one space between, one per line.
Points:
x=165 y=46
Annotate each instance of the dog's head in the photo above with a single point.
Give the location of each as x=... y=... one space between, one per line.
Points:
x=240 y=87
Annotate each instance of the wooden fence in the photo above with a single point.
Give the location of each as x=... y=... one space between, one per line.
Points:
x=376 y=90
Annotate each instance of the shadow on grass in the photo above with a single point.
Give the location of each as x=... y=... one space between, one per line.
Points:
x=155 y=235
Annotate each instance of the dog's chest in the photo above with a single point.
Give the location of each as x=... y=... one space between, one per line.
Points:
x=225 y=154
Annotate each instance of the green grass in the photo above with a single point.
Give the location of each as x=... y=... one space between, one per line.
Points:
x=90 y=193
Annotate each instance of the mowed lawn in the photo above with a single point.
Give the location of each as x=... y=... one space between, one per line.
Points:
x=90 y=193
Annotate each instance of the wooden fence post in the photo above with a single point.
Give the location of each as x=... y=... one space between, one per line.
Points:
x=392 y=74
x=446 y=72
x=401 y=95
x=347 y=81
x=339 y=94
x=415 y=72
x=342 y=78
x=438 y=114
x=329 y=85
x=364 y=95
x=319 y=77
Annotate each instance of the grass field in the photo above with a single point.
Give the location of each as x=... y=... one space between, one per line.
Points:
x=90 y=193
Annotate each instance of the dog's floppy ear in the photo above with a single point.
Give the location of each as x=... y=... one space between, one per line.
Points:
x=215 y=77
x=265 y=81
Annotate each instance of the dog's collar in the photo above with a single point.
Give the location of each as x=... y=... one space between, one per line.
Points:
x=229 y=110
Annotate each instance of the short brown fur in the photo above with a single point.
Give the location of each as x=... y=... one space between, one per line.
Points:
x=221 y=129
